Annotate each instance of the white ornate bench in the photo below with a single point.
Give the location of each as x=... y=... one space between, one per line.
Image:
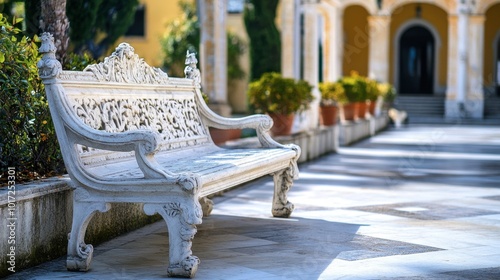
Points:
x=130 y=133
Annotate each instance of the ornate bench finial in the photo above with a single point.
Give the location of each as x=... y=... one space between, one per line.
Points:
x=191 y=71
x=48 y=67
x=125 y=66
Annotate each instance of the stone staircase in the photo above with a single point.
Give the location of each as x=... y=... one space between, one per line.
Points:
x=420 y=105
x=430 y=109
x=492 y=107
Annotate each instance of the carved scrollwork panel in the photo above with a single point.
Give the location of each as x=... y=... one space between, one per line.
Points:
x=176 y=120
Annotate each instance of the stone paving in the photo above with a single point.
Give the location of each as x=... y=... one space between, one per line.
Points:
x=420 y=202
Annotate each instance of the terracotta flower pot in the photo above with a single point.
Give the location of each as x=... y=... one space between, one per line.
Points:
x=220 y=136
x=282 y=124
x=328 y=115
x=371 y=107
x=361 y=110
x=350 y=111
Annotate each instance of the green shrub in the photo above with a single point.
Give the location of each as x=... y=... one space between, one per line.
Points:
x=372 y=90
x=273 y=93
x=387 y=91
x=28 y=141
x=332 y=93
x=78 y=62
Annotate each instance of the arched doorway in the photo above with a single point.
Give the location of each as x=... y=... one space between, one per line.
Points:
x=416 y=61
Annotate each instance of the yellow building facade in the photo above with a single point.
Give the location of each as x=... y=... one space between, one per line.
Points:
x=156 y=15
x=448 y=48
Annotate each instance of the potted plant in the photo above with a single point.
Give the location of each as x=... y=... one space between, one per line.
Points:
x=332 y=94
x=387 y=96
x=372 y=94
x=280 y=98
x=349 y=110
x=220 y=136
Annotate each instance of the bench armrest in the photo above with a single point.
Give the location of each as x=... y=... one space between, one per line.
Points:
x=261 y=123
x=143 y=142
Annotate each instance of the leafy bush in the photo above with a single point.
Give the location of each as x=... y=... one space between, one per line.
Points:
x=78 y=62
x=387 y=91
x=184 y=33
x=358 y=88
x=265 y=40
x=372 y=90
x=332 y=93
x=28 y=140
x=273 y=93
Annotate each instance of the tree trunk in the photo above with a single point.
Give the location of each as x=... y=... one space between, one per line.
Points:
x=53 y=19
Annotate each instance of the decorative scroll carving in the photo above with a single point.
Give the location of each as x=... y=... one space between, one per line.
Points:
x=80 y=254
x=124 y=66
x=174 y=119
x=283 y=181
x=48 y=66
x=181 y=221
x=191 y=71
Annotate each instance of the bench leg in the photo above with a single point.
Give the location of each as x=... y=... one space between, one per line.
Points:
x=181 y=222
x=283 y=181
x=79 y=253
x=207 y=205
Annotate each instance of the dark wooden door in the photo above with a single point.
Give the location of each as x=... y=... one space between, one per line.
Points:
x=416 y=61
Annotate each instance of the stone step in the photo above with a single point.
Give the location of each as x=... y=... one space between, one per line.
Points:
x=420 y=105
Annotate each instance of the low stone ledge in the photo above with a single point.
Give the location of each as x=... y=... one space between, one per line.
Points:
x=313 y=143
x=41 y=220
x=352 y=132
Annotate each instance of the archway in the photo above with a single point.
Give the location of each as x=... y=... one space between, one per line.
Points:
x=417 y=48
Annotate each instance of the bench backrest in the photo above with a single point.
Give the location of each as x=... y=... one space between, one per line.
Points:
x=123 y=93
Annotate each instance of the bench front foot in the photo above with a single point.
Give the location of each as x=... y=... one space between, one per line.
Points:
x=181 y=219
x=283 y=181
x=80 y=254
x=207 y=205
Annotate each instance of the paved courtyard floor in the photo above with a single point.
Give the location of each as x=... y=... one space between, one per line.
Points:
x=420 y=202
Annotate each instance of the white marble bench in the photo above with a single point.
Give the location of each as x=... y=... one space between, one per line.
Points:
x=130 y=133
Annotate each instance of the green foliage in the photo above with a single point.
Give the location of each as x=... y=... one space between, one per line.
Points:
x=182 y=34
x=273 y=93
x=354 y=87
x=28 y=140
x=265 y=42
x=32 y=12
x=235 y=49
x=387 y=91
x=359 y=89
x=78 y=62
x=332 y=93
x=372 y=91
x=97 y=24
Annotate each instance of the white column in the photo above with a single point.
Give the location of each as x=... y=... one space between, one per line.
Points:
x=379 y=47
x=451 y=107
x=213 y=51
x=463 y=22
x=475 y=93
x=288 y=38
x=333 y=38
x=310 y=118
